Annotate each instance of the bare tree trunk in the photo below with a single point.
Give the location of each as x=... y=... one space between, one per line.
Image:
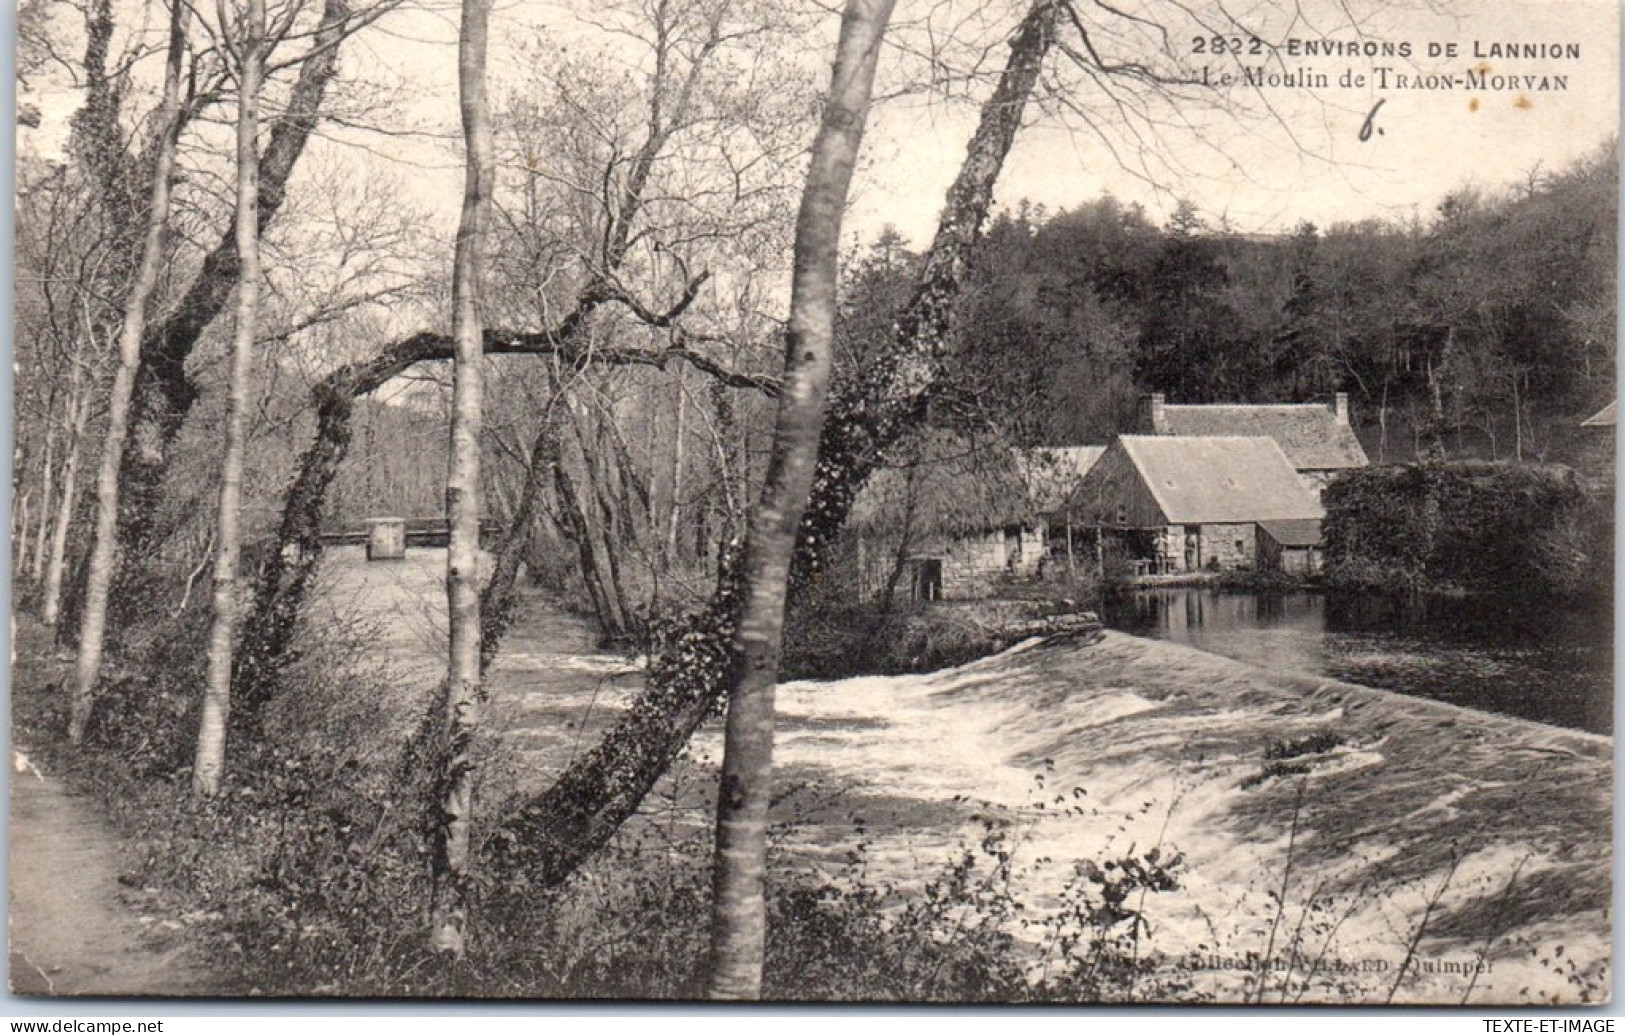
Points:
x=580 y=529
x=555 y=831
x=1382 y=422
x=738 y=912
x=674 y=518
x=496 y=600
x=103 y=558
x=163 y=392
x=460 y=719
x=1433 y=449
x=21 y=520
x=57 y=561
x=609 y=506
x=211 y=740
x=729 y=466
x=48 y=493
x=1517 y=421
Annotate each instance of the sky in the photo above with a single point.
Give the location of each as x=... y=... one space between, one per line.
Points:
x=1329 y=138
x=1296 y=153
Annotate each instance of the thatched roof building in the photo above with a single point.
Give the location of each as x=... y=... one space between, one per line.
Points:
x=947 y=518
x=939 y=483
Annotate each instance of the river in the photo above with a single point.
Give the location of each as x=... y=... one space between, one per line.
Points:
x=1546 y=663
x=1071 y=751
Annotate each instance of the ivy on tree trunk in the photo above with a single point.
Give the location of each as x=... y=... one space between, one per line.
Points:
x=549 y=835
x=104 y=550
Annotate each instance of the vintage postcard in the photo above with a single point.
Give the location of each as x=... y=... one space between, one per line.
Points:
x=878 y=501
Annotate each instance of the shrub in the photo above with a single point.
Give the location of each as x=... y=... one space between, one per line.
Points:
x=967 y=935
x=1481 y=527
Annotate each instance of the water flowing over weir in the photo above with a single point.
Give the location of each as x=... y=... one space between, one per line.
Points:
x=1364 y=811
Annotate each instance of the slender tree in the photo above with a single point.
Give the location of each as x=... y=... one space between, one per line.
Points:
x=211 y=741
x=738 y=914
x=556 y=830
x=462 y=688
x=103 y=555
x=79 y=415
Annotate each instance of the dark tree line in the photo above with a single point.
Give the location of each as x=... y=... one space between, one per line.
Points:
x=1487 y=327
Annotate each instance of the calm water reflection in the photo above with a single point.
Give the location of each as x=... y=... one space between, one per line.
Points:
x=1545 y=663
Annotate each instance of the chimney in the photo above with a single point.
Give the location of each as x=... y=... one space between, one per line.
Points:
x=1340 y=407
x=1151 y=418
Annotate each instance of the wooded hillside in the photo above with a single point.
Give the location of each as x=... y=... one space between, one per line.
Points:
x=1487 y=324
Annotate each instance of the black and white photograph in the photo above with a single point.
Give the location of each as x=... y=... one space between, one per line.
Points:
x=1089 y=502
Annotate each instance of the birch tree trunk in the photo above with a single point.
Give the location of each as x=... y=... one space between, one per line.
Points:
x=103 y=556
x=57 y=562
x=460 y=718
x=738 y=914
x=211 y=740
x=48 y=496
x=555 y=831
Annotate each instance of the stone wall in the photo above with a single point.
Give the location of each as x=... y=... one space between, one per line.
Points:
x=1233 y=547
x=972 y=563
x=1316 y=482
x=1224 y=547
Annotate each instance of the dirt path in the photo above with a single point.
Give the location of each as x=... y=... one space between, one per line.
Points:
x=71 y=931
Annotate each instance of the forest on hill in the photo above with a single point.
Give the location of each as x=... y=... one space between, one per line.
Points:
x=1487 y=324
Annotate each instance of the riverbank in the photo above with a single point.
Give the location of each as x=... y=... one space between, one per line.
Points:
x=1228 y=580
x=1313 y=841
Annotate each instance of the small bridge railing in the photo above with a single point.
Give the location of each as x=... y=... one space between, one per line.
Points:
x=420 y=532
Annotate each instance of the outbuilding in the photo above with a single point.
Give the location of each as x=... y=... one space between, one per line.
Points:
x=1291 y=546
x=1177 y=504
x=948 y=518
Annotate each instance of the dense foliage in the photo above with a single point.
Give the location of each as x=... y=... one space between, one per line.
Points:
x=1522 y=529
x=1503 y=302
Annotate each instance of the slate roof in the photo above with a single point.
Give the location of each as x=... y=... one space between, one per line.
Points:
x=1220 y=478
x=1293 y=532
x=1603 y=418
x=1054 y=472
x=1309 y=433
